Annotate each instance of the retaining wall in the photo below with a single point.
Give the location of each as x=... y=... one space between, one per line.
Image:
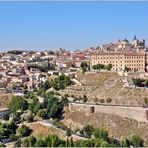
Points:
x=138 y=113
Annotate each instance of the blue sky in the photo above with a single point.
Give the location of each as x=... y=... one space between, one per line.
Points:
x=70 y=25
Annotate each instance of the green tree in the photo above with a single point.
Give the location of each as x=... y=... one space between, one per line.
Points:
x=85 y=99
x=16 y=116
x=34 y=106
x=18 y=143
x=30 y=118
x=71 y=143
x=18 y=103
x=40 y=143
x=109 y=67
x=68 y=132
x=61 y=82
x=12 y=126
x=54 y=110
x=24 y=131
x=84 y=66
x=40 y=92
x=109 y=100
x=98 y=67
x=54 y=107
x=6 y=117
x=125 y=143
x=29 y=95
x=67 y=80
x=138 y=82
x=32 y=141
x=102 y=100
x=55 y=142
x=47 y=84
x=64 y=101
x=104 y=144
x=88 y=129
x=5 y=132
x=67 y=142
x=127 y=69
x=42 y=113
x=25 y=143
x=13 y=137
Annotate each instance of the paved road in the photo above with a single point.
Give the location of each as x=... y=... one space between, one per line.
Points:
x=50 y=124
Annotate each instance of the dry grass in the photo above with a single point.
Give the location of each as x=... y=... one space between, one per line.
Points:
x=5 y=99
x=94 y=79
x=43 y=131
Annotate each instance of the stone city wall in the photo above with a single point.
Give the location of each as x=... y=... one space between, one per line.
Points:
x=138 y=113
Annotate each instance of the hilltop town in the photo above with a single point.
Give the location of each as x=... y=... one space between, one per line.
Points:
x=75 y=94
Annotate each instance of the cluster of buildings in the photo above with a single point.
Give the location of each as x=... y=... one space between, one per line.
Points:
x=16 y=75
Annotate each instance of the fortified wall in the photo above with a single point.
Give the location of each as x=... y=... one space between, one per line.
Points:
x=138 y=113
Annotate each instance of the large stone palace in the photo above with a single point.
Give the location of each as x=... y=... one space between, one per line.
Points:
x=122 y=54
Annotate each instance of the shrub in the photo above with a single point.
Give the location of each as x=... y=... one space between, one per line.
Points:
x=100 y=133
x=109 y=100
x=68 y=132
x=102 y=101
x=29 y=118
x=125 y=143
x=24 y=131
x=66 y=95
x=13 y=137
x=146 y=101
x=137 y=141
x=72 y=96
x=6 y=117
x=42 y=113
x=95 y=99
x=2 y=145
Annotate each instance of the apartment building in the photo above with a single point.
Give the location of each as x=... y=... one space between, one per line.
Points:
x=134 y=61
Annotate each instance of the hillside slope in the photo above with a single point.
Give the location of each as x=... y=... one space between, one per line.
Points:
x=104 y=85
x=118 y=127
